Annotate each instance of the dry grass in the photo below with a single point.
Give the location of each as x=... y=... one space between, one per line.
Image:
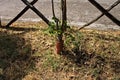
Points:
x=27 y=53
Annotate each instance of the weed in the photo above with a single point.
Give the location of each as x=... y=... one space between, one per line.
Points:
x=51 y=62
x=115 y=78
x=73 y=39
x=1 y=71
x=96 y=72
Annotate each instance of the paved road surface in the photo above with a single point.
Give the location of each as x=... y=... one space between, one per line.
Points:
x=79 y=11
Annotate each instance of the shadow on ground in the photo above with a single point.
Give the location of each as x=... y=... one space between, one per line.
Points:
x=101 y=66
x=78 y=57
x=15 y=55
x=24 y=29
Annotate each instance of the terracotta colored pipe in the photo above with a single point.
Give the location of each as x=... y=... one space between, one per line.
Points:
x=59 y=46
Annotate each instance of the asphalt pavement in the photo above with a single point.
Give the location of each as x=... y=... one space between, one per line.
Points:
x=79 y=11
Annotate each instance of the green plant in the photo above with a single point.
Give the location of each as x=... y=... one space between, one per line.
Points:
x=59 y=27
x=96 y=72
x=54 y=29
x=73 y=39
x=116 y=78
x=51 y=62
x=1 y=71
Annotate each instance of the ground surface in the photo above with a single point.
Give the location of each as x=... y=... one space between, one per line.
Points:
x=27 y=52
x=79 y=11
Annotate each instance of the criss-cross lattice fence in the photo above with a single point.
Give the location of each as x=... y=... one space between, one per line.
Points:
x=104 y=12
x=30 y=5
